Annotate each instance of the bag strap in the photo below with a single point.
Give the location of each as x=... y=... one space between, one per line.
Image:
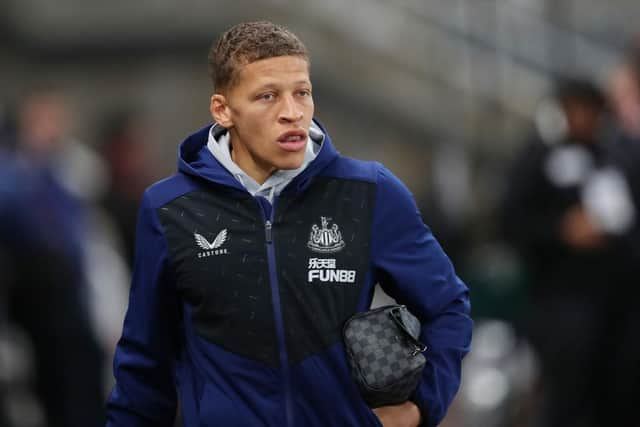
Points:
x=394 y=313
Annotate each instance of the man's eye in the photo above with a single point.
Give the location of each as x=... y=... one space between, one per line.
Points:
x=304 y=92
x=267 y=96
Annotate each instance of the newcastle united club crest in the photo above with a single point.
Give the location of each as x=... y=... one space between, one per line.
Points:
x=325 y=239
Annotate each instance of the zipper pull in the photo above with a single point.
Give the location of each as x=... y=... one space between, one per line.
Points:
x=267 y=231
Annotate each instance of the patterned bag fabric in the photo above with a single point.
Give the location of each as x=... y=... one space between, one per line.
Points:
x=384 y=353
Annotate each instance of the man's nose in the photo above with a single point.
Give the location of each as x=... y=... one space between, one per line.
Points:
x=291 y=111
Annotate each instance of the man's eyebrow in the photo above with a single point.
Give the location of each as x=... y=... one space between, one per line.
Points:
x=266 y=86
x=272 y=85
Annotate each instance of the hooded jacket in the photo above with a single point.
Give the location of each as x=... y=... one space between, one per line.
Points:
x=237 y=305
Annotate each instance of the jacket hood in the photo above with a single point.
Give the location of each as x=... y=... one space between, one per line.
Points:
x=195 y=159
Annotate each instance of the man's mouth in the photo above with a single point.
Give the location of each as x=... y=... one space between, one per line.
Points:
x=294 y=140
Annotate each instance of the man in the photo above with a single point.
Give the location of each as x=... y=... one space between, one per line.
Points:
x=231 y=301
x=569 y=211
x=623 y=368
x=44 y=275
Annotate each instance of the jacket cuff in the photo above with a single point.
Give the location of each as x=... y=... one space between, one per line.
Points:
x=425 y=419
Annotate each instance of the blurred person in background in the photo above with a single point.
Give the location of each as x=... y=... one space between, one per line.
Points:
x=624 y=380
x=232 y=303
x=624 y=95
x=569 y=209
x=624 y=92
x=46 y=290
x=124 y=144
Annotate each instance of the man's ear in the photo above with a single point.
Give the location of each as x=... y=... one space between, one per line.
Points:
x=220 y=110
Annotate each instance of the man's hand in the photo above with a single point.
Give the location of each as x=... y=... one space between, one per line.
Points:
x=406 y=414
x=579 y=232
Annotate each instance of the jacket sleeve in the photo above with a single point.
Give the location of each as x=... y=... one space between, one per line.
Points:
x=145 y=390
x=411 y=267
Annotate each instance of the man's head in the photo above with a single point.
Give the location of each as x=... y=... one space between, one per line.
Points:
x=584 y=105
x=248 y=42
x=43 y=120
x=624 y=91
x=262 y=96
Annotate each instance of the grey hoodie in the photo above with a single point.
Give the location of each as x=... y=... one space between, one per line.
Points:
x=221 y=150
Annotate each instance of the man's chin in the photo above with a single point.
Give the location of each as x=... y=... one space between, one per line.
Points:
x=290 y=166
x=291 y=163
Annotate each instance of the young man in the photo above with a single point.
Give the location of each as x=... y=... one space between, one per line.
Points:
x=250 y=259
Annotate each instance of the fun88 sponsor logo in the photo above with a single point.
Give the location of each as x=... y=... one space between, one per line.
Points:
x=324 y=270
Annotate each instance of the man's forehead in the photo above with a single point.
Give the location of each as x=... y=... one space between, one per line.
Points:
x=281 y=69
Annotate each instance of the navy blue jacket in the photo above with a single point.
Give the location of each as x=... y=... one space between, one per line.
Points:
x=237 y=307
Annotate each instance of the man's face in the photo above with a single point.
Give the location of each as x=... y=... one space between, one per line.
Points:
x=625 y=94
x=268 y=111
x=43 y=123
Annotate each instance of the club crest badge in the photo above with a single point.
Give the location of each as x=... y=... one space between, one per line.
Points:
x=325 y=239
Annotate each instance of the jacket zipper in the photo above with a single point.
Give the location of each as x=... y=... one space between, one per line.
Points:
x=277 y=307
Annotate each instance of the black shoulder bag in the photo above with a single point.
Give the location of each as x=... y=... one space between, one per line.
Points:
x=384 y=353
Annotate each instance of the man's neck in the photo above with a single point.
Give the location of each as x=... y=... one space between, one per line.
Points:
x=249 y=165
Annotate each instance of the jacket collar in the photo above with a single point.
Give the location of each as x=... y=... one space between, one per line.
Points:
x=195 y=159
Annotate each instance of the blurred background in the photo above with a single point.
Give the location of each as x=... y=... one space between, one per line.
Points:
x=515 y=123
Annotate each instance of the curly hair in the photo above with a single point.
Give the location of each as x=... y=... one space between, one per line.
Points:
x=248 y=42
